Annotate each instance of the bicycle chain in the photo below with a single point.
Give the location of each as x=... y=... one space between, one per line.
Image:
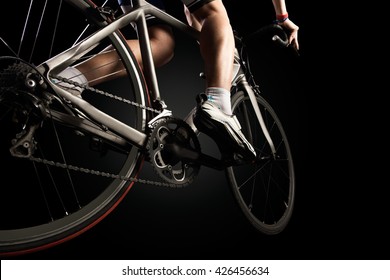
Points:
x=95 y=172
x=103 y=174
x=104 y=93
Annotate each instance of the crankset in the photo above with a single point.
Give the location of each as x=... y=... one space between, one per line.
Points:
x=171 y=141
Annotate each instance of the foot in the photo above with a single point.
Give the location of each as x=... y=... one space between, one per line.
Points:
x=224 y=129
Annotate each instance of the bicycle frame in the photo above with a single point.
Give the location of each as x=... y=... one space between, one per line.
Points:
x=136 y=15
x=80 y=155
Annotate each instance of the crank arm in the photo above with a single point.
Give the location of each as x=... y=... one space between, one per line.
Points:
x=191 y=155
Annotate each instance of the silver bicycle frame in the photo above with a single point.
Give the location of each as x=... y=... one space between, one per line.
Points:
x=136 y=15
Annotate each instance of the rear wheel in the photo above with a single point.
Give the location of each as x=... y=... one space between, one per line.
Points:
x=47 y=204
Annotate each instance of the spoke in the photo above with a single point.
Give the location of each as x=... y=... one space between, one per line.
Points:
x=280 y=168
x=65 y=162
x=85 y=28
x=25 y=27
x=43 y=191
x=54 y=185
x=8 y=47
x=38 y=30
x=267 y=205
x=254 y=174
x=277 y=185
x=252 y=195
x=81 y=34
x=55 y=29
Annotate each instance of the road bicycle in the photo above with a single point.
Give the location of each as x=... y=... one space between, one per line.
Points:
x=70 y=160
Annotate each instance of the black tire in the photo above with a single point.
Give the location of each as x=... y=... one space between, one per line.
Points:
x=42 y=205
x=265 y=190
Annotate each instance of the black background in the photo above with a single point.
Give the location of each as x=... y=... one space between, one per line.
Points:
x=331 y=219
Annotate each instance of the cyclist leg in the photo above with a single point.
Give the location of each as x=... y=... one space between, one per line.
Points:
x=160 y=35
x=106 y=65
x=216 y=46
x=214 y=116
x=162 y=45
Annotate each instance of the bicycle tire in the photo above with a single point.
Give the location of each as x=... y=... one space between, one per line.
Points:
x=265 y=190
x=35 y=216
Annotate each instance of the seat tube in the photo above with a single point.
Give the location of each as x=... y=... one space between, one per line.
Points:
x=147 y=57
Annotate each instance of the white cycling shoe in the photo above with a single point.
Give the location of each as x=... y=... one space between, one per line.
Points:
x=224 y=129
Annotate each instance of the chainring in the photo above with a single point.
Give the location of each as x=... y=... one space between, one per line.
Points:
x=170 y=167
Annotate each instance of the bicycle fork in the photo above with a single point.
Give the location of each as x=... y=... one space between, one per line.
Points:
x=242 y=82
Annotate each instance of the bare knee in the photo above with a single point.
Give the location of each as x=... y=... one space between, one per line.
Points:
x=209 y=10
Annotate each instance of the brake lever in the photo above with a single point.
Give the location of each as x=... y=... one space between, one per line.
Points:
x=284 y=43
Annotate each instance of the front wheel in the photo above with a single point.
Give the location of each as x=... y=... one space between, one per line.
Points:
x=265 y=189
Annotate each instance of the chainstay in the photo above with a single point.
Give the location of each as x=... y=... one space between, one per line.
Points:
x=107 y=94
